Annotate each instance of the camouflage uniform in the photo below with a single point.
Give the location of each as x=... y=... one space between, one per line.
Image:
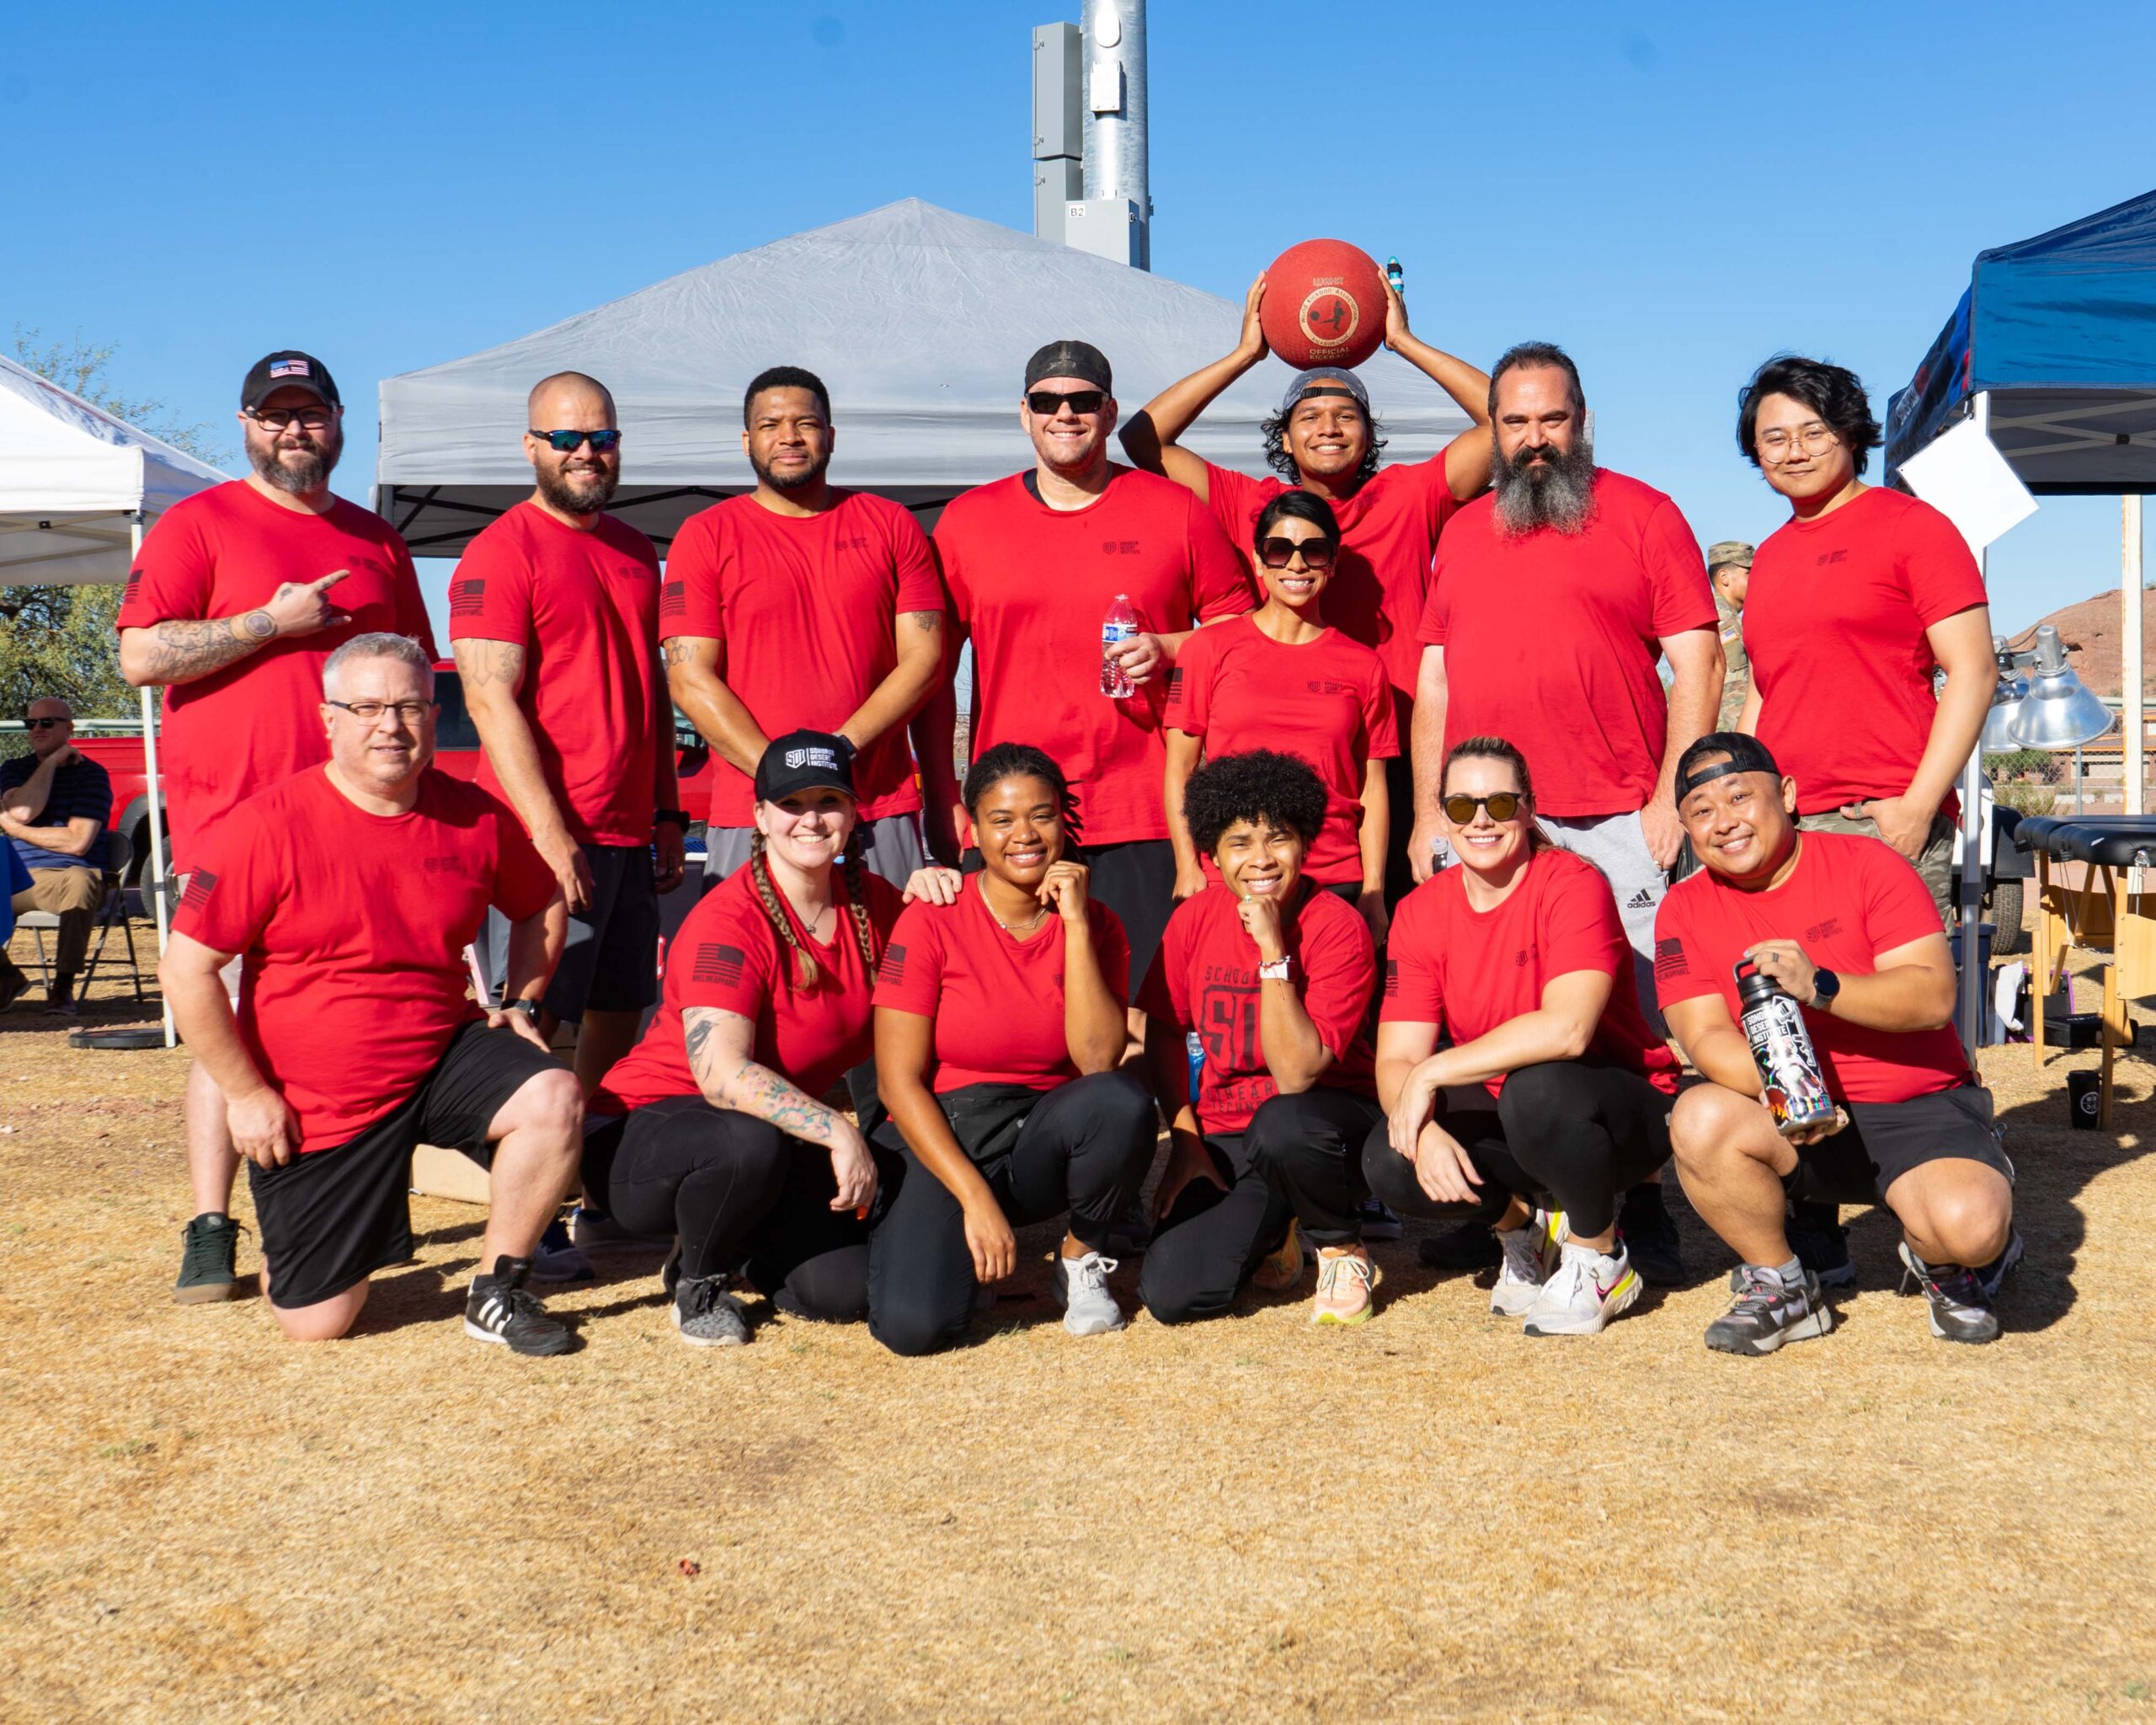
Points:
x=1737 y=668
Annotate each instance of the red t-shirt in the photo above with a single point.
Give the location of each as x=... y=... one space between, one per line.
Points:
x=1205 y=978
x=1834 y=621
x=1380 y=580
x=584 y=605
x=1032 y=586
x=223 y=552
x=1325 y=702
x=1849 y=900
x=728 y=956
x=353 y=927
x=1469 y=971
x=1551 y=640
x=805 y=611
x=997 y=1001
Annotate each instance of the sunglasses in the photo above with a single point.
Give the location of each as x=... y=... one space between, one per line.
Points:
x=1046 y=402
x=1274 y=554
x=280 y=419
x=1459 y=811
x=562 y=442
x=38 y=725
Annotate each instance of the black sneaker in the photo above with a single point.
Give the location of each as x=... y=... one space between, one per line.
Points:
x=1960 y=1299
x=13 y=982
x=499 y=1310
x=1650 y=1236
x=1769 y=1311
x=706 y=1314
x=1821 y=1244
x=1469 y=1246
x=1378 y=1220
x=208 y=1247
x=60 y=1000
x=1130 y=1233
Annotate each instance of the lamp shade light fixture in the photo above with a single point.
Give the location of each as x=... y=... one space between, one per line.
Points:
x=2057 y=712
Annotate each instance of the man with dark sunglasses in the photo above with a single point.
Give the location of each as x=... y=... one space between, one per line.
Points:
x=801 y=605
x=1034 y=564
x=238 y=597
x=55 y=804
x=553 y=616
x=1326 y=441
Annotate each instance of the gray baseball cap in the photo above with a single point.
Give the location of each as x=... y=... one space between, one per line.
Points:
x=1324 y=380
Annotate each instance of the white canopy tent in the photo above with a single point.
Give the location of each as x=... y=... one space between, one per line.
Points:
x=79 y=488
x=920 y=320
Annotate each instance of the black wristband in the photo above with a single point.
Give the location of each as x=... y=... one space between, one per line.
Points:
x=680 y=817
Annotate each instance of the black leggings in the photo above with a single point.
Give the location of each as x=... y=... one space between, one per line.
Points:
x=1582 y=1130
x=734 y=1188
x=1210 y=1241
x=1084 y=1148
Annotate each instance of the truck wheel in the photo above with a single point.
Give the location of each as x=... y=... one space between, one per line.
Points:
x=2003 y=907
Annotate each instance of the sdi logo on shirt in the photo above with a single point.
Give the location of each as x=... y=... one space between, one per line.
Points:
x=1119 y=548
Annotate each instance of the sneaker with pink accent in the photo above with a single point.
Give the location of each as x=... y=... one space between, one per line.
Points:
x=1345 y=1282
x=1590 y=1287
x=1530 y=1254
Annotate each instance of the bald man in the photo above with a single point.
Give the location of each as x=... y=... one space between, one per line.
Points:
x=554 y=616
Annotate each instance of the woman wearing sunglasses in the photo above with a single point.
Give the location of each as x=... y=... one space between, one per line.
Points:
x=1282 y=679
x=1519 y=953
x=1000 y=1026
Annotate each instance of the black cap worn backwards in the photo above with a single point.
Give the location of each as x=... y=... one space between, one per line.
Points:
x=1746 y=755
x=804 y=760
x=1071 y=358
x=289 y=369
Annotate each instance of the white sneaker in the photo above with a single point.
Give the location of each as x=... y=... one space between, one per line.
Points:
x=1530 y=1253
x=1589 y=1288
x=1081 y=1283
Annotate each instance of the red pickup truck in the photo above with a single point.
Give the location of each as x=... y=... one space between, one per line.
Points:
x=456 y=750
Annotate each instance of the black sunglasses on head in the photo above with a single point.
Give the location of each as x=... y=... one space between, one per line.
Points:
x=1275 y=553
x=562 y=442
x=1046 y=402
x=1459 y=811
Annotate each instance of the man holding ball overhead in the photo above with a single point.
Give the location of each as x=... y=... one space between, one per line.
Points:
x=1325 y=441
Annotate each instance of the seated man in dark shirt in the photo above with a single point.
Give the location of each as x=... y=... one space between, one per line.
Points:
x=54 y=804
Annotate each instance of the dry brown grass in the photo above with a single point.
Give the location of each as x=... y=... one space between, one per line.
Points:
x=1432 y=1518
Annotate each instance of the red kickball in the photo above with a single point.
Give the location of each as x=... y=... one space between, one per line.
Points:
x=1324 y=305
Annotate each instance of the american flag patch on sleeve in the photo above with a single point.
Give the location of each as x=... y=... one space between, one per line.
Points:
x=467 y=597
x=894 y=966
x=718 y=964
x=200 y=885
x=1669 y=958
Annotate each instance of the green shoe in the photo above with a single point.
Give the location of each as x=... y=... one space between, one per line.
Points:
x=207 y=1247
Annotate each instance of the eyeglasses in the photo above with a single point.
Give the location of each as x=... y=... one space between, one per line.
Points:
x=1459 y=811
x=1047 y=403
x=1275 y=553
x=280 y=419
x=1774 y=445
x=38 y=725
x=564 y=442
x=408 y=713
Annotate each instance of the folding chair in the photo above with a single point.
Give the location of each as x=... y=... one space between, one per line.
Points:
x=119 y=909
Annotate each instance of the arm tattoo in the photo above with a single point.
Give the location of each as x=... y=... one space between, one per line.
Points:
x=729 y=1083
x=480 y=663
x=181 y=649
x=929 y=623
x=673 y=650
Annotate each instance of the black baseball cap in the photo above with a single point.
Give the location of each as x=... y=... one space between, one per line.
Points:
x=1071 y=358
x=804 y=760
x=1746 y=755
x=288 y=369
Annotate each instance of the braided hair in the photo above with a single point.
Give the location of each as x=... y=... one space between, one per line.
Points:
x=808 y=974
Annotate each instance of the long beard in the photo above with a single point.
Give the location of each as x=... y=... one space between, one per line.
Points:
x=296 y=472
x=586 y=497
x=1556 y=491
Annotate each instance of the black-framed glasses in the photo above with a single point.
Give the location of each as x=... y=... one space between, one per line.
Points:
x=38 y=725
x=1275 y=553
x=1047 y=403
x=564 y=442
x=281 y=418
x=408 y=713
x=1503 y=806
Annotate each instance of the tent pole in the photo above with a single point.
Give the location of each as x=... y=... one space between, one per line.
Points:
x=157 y=796
x=1969 y=1004
x=2131 y=669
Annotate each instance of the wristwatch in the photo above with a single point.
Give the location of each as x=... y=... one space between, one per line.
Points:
x=531 y=1009
x=1280 y=969
x=1825 y=985
x=680 y=817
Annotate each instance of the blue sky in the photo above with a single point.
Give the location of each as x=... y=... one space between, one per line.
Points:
x=1671 y=191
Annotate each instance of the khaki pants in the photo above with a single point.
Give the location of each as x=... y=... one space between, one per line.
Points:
x=73 y=895
x=1935 y=867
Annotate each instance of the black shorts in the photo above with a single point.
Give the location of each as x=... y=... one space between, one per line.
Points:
x=1883 y=1140
x=611 y=962
x=1136 y=880
x=331 y=1218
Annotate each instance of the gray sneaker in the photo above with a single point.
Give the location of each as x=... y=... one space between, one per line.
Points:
x=1959 y=1300
x=706 y=1314
x=1769 y=1311
x=1081 y=1285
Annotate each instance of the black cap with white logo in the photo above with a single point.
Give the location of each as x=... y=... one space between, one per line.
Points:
x=804 y=760
x=288 y=370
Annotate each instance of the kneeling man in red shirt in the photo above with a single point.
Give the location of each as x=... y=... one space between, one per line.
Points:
x=352 y=891
x=1846 y=927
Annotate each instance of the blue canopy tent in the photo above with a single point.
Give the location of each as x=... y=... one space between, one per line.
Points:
x=2052 y=350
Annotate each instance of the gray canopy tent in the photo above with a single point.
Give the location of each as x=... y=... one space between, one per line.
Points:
x=919 y=320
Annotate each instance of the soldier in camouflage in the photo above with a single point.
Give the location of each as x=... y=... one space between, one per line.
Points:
x=1729 y=567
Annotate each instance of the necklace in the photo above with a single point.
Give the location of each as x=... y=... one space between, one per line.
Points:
x=1000 y=923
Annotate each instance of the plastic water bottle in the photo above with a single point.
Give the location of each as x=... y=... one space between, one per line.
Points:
x=1195 y=1050
x=1794 y=1087
x=1395 y=275
x=1118 y=626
